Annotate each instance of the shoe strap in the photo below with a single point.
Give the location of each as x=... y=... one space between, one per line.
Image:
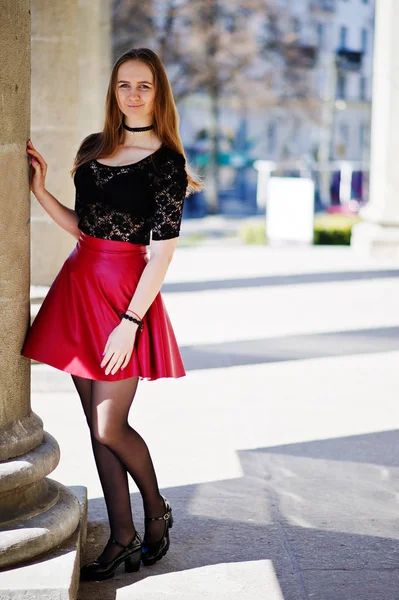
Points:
x=121 y=545
x=118 y=544
x=164 y=517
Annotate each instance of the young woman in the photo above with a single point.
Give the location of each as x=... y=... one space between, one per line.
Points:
x=103 y=319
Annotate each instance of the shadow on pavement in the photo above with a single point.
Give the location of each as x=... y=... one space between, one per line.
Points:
x=292 y=347
x=277 y=280
x=323 y=512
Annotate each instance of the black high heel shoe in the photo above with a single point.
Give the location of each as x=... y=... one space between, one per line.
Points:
x=151 y=553
x=100 y=570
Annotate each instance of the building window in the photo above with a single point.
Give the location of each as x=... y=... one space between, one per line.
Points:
x=364 y=41
x=320 y=35
x=271 y=137
x=297 y=28
x=342 y=141
x=230 y=23
x=362 y=88
x=341 y=87
x=364 y=136
x=343 y=34
x=344 y=133
x=296 y=25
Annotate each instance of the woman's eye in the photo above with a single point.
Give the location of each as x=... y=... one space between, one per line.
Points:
x=124 y=85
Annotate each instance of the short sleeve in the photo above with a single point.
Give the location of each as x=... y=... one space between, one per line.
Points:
x=170 y=192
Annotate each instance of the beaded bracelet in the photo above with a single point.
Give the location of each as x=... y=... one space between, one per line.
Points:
x=135 y=314
x=139 y=323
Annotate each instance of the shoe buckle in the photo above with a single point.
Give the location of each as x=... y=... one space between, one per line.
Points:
x=166 y=516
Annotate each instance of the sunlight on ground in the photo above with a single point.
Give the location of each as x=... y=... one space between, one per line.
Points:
x=255 y=579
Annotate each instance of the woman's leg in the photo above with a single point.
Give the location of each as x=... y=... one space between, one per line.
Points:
x=111 y=402
x=113 y=478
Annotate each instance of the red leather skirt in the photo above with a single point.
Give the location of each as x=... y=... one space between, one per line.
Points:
x=84 y=303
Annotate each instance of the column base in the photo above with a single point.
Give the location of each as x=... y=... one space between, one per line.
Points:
x=43 y=532
x=21 y=436
x=36 y=513
x=374 y=239
x=54 y=574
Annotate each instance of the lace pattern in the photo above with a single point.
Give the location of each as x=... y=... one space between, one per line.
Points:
x=126 y=203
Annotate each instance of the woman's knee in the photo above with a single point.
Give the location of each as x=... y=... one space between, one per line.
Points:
x=105 y=433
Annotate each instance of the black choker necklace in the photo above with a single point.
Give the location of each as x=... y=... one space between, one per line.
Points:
x=137 y=129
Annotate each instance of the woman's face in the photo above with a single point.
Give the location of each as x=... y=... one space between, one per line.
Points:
x=135 y=91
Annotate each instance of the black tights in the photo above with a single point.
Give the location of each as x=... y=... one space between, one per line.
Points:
x=118 y=449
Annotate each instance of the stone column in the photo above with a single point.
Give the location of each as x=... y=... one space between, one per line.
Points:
x=36 y=513
x=95 y=50
x=71 y=55
x=55 y=81
x=379 y=234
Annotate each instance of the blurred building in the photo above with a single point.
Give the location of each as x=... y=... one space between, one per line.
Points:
x=288 y=81
x=323 y=107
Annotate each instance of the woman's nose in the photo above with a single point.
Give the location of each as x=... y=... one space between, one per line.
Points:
x=134 y=95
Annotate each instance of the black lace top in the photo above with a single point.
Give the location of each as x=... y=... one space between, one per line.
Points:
x=126 y=203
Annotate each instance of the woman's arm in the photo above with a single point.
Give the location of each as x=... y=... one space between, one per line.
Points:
x=119 y=347
x=65 y=217
x=62 y=215
x=153 y=275
x=169 y=197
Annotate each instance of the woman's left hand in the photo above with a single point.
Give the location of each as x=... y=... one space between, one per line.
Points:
x=119 y=347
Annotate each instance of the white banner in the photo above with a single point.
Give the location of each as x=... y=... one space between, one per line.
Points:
x=290 y=209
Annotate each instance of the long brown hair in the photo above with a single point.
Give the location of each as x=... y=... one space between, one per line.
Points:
x=165 y=120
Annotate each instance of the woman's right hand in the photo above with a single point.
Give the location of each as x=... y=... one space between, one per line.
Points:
x=37 y=171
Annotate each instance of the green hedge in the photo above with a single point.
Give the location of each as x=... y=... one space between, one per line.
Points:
x=328 y=229
x=333 y=230
x=253 y=234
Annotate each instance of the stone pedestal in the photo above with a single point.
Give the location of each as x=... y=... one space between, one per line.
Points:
x=71 y=56
x=55 y=575
x=379 y=234
x=36 y=513
x=376 y=239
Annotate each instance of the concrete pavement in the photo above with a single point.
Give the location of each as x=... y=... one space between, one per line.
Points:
x=280 y=450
